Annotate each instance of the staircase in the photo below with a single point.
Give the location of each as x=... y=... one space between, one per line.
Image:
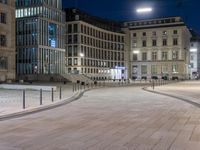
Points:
x=75 y=77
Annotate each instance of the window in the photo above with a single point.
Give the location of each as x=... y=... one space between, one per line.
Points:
x=191 y=65
x=154 y=55
x=143 y=69
x=175 y=55
x=134 y=44
x=164 y=42
x=174 y=68
x=175 y=41
x=154 y=43
x=134 y=34
x=144 y=43
x=75 y=50
x=75 y=28
x=154 y=33
x=135 y=57
x=144 y=56
x=191 y=57
x=69 y=61
x=3 y=63
x=175 y=32
x=2 y=40
x=69 y=51
x=144 y=33
x=4 y=1
x=153 y=69
x=69 y=39
x=164 y=55
x=3 y=18
x=75 y=61
x=69 y=28
x=75 y=39
x=164 y=69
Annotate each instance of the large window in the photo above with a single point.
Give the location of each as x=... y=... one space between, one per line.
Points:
x=174 y=68
x=52 y=35
x=164 y=42
x=164 y=55
x=154 y=56
x=135 y=58
x=2 y=40
x=175 y=41
x=154 y=43
x=153 y=69
x=144 y=43
x=143 y=69
x=175 y=55
x=3 y=18
x=4 y=1
x=3 y=63
x=144 y=56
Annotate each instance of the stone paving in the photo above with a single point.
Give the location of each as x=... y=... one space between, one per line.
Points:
x=11 y=100
x=187 y=90
x=108 y=119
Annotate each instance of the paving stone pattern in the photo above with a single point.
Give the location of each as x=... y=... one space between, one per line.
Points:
x=108 y=119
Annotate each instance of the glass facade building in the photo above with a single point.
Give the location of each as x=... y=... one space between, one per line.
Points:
x=40 y=38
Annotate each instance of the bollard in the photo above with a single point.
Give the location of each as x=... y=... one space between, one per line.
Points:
x=52 y=95
x=73 y=87
x=60 y=92
x=153 y=84
x=24 y=99
x=40 y=96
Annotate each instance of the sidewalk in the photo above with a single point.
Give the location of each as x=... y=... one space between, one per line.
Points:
x=11 y=101
x=187 y=90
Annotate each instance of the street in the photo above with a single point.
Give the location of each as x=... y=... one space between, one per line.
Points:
x=125 y=118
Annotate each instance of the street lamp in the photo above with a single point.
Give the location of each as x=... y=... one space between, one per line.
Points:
x=144 y=10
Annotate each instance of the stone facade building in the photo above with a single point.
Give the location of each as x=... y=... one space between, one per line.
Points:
x=94 y=46
x=7 y=40
x=158 y=48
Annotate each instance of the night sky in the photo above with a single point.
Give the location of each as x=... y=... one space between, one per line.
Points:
x=125 y=9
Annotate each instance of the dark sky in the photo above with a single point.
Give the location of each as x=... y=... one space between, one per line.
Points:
x=125 y=9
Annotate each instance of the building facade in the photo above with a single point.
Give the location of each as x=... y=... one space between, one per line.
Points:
x=194 y=56
x=94 y=47
x=40 y=37
x=7 y=40
x=158 y=48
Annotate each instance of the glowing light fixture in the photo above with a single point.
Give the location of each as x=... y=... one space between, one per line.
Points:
x=144 y=10
x=136 y=52
x=193 y=50
x=82 y=55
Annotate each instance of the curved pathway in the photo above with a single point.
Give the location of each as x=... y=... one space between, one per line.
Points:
x=108 y=119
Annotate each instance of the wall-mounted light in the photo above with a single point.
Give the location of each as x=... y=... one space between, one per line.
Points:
x=193 y=50
x=136 y=52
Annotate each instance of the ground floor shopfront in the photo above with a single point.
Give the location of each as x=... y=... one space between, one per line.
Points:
x=159 y=70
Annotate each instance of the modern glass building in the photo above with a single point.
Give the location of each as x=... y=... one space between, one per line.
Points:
x=40 y=37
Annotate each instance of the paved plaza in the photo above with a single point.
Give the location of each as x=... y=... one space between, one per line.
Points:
x=125 y=118
x=11 y=101
x=189 y=90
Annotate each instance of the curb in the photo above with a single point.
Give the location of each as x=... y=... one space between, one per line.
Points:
x=173 y=96
x=68 y=100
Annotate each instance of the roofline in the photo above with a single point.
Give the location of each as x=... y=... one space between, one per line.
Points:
x=150 y=19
